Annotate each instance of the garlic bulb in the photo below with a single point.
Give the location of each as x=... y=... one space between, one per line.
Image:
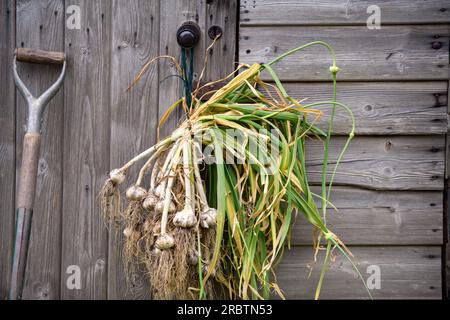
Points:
x=172 y=207
x=156 y=251
x=117 y=176
x=149 y=202
x=135 y=193
x=164 y=242
x=159 y=207
x=159 y=191
x=208 y=218
x=185 y=218
x=127 y=232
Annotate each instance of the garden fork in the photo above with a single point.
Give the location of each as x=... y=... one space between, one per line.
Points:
x=30 y=159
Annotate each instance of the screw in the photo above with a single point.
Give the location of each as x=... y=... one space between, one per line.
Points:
x=436 y=45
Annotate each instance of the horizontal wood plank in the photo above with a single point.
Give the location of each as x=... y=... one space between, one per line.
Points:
x=389 y=163
x=343 y=12
x=381 y=108
x=393 y=53
x=405 y=272
x=367 y=217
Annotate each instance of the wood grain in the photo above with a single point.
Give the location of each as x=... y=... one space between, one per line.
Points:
x=28 y=170
x=407 y=272
x=86 y=150
x=342 y=12
x=7 y=142
x=32 y=55
x=389 y=187
x=446 y=247
x=222 y=56
x=412 y=44
x=447 y=271
x=367 y=217
x=391 y=53
x=173 y=14
x=383 y=163
x=135 y=34
x=380 y=108
x=44 y=29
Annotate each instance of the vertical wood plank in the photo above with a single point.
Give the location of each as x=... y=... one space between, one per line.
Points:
x=86 y=149
x=7 y=142
x=173 y=14
x=446 y=246
x=222 y=56
x=135 y=40
x=40 y=24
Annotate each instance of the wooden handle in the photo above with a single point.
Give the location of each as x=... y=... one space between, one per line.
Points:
x=28 y=170
x=39 y=56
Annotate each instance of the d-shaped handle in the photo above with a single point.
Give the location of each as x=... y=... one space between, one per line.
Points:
x=36 y=106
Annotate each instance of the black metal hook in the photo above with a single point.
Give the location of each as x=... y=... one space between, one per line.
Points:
x=188 y=34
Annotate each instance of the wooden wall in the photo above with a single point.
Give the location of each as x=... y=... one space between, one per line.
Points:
x=92 y=125
x=390 y=186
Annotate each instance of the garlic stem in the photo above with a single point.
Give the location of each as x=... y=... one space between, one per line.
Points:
x=198 y=179
x=174 y=137
x=187 y=176
x=168 y=164
x=144 y=169
x=208 y=216
x=186 y=218
x=140 y=156
x=168 y=195
x=167 y=199
x=153 y=175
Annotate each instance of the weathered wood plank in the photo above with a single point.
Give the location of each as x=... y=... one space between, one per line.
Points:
x=447 y=271
x=173 y=14
x=367 y=217
x=86 y=149
x=7 y=142
x=405 y=273
x=222 y=57
x=342 y=12
x=381 y=108
x=389 y=163
x=40 y=24
x=393 y=53
x=446 y=248
x=135 y=39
